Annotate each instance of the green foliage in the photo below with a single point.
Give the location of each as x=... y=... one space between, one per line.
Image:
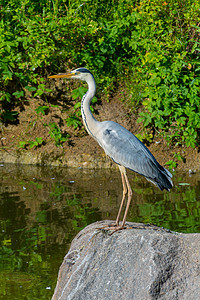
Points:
x=36 y=143
x=153 y=44
x=22 y=144
x=7 y=115
x=42 y=109
x=41 y=88
x=171 y=165
x=56 y=134
x=170 y=69
x=79 y=92
x=145 y=137
x=74 y=121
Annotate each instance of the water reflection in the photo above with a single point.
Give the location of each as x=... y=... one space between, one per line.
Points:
x=42 y=209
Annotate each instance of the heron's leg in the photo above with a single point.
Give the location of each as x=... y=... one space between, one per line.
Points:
x=123 y=172
x=129 y=199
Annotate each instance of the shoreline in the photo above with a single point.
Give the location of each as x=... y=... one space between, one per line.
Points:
x=97 y=160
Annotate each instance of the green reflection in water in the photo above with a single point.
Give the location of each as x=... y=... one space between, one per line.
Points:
x=40 y=213
x=171 y=213
x=42 y=209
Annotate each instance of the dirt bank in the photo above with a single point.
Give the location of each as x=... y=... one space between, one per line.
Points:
x=80 y=150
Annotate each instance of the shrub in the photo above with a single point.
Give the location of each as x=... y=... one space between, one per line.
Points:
x=152 y=44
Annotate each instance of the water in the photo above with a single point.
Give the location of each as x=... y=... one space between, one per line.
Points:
x=42 y=209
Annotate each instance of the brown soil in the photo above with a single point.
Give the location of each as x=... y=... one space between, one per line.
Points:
x=31 y=125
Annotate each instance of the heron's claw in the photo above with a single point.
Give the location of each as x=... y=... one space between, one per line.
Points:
x=113 y=228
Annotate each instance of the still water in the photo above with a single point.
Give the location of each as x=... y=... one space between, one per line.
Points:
x=42 y=209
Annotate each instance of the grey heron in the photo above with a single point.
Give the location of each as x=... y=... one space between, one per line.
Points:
x=124 y=148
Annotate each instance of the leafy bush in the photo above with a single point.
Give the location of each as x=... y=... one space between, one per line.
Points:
x=56 y=134
x=170 y=68
x=152 y=44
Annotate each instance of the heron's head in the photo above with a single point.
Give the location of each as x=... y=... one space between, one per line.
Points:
x=80 y=73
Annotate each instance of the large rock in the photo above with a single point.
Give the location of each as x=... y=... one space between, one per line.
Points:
x=141 y=263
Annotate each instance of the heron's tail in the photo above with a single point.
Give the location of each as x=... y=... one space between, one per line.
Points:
x=164 y=180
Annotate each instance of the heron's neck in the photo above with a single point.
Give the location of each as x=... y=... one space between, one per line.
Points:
x=88 y=119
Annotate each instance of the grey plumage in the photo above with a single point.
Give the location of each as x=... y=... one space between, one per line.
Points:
x=121 y=145
x=127 y=150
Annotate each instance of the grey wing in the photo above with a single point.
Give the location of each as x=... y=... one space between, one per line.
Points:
x=127 y=150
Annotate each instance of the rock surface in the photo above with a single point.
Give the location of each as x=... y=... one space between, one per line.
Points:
x=56 y=159
x=142 y=262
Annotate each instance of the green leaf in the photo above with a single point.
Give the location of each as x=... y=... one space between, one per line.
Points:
x=42 y=109
x=18 y=94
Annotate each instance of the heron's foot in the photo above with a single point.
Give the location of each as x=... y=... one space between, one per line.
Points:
x=114 y=228
x=107 y=226
x=111 y=225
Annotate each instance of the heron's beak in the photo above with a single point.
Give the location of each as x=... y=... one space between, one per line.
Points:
x=63 y=75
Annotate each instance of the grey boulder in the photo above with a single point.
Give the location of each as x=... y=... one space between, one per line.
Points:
x=141 y=262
